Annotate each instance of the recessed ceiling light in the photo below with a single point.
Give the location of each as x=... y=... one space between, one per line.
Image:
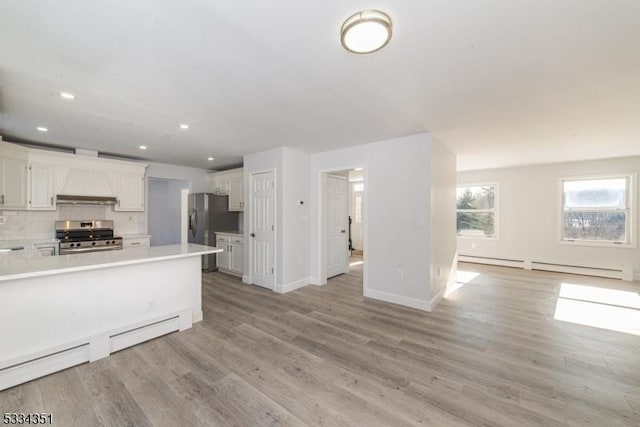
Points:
x=142 y=147
x=357 y=169
x=184 y=126
x=42 y=129
x=210 y=159
x=366 y=32
x=67 y=95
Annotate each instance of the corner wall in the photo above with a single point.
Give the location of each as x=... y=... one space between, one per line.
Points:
x=528 y=210
x=397 y=245
x=444 y=257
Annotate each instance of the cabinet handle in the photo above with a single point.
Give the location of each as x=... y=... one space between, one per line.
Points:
x=230 y=248
x=2 y=199
x=51 y=200
x=134 y=243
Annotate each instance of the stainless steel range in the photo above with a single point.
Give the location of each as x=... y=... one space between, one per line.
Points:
x=86 y=236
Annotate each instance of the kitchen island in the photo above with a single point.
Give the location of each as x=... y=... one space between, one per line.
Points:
x=57 y=312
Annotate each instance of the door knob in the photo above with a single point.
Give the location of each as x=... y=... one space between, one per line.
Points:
x=253 y=234
x=342 y=231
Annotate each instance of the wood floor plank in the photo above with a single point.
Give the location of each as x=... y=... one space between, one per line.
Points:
x=490 y=354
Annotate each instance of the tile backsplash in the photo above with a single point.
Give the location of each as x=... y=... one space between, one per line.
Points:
x=41 y=224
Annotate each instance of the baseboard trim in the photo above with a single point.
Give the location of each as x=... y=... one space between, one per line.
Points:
x=548 y=266
x=398 y=299
x=585 y=271
x=436 y=299
x=313 y=280
x=492 y=261
x=283 y=289
x=246 y=280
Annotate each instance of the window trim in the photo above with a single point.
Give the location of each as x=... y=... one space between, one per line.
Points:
x=631 y=197
x=496 y=209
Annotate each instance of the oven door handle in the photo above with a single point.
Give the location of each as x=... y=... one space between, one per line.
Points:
x=91 y=249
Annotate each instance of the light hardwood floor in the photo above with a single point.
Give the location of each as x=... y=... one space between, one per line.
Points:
x=490 y=354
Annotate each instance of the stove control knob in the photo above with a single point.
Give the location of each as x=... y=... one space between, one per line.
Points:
x=113 y=241
x=71 y=245
x=93 y=243
x=108 y=242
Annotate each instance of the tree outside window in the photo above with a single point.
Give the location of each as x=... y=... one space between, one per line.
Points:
x=477 y=210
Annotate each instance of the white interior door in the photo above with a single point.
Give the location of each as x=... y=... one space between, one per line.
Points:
x=337 y=223
x=263 y=229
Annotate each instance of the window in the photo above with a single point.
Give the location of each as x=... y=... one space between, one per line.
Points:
x=477 y=210
x=597 y=210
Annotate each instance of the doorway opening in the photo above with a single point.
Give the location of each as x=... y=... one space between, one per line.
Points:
x=343 y=227
x=165 y=209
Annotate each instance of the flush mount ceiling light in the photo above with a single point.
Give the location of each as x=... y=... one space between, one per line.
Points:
x=67 y=95
x=366 y=32
x=184 y=126
x=42 y=129
x=142 y=147
x=210 y=159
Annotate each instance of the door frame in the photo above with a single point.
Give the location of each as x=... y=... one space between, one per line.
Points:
x=248 y=258
x=322 y=216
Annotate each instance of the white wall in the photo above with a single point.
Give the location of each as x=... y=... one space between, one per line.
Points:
x=397 y=202
x=295 y=217
x=443 y=220
x=292 y=219
x=528 y=216
x=199 y=178
x=262 y=162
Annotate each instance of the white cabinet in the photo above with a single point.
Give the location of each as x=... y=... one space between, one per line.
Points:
x=41 y=188
x=236 y=194
x=237 y=255
x=13 y=183
x=223 y=259
x=230 y=183
x=220 y=183
x=130 y=192
x=231 y=260
x=136 y=241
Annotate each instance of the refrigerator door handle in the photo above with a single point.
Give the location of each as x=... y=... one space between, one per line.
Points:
x=193 y=222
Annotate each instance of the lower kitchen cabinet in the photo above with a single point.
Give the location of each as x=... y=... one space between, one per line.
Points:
x=232 y=259
x=136 y=241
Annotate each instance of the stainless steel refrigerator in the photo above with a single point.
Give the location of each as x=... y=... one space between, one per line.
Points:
x=209 y=214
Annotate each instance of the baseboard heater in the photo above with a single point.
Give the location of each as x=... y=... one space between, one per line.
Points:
x=545 y=266
x=78 y=352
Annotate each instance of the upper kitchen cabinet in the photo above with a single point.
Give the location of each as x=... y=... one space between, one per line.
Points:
x=231 y=183
x=220 y=183
x=130 y=191
x=13 y=177
x=13 y=183
x=50 y=174
x=41 y=188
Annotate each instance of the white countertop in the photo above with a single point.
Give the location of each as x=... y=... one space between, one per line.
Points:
x=133 y=236
x=26 y=243
x=25 y=264
x=231 y=233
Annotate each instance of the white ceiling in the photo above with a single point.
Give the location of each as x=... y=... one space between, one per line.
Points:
x=500 y=82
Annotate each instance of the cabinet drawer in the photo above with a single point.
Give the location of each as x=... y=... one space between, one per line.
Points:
x=238 y=240
x=135 y=242
x=222 y=239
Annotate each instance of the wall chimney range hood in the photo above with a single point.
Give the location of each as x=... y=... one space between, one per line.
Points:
x=66 y=199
